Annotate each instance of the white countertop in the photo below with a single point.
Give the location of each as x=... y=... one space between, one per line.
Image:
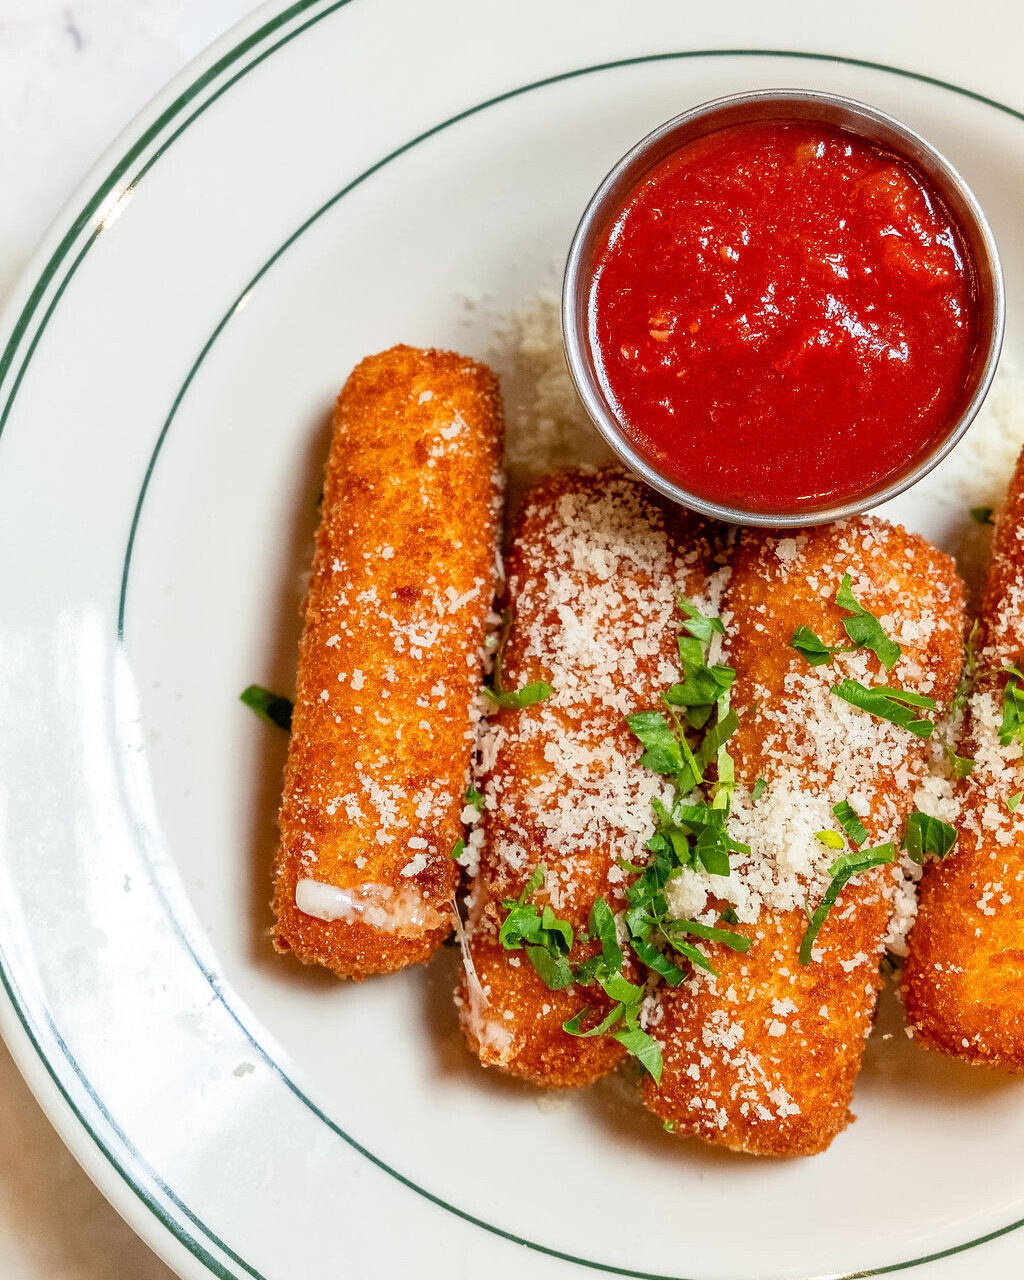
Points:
x=73 y=73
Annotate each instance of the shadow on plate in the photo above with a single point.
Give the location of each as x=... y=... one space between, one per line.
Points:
x=892 y=1061
x=613 y=1103
x=278 y=673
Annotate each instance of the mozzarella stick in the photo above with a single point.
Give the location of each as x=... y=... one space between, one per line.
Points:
x=763 y=1057
x=594 y=573
x=963 y=982
x=390 y=663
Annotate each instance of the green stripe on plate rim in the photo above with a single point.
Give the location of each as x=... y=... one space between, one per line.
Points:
x=163 y=122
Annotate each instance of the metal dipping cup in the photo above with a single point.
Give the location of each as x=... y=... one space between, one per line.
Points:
x=759 y=106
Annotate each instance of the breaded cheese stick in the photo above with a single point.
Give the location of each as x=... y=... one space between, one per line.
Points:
x=963 y=982
x=762 y=1058
x=390 y=664
x=594 y=573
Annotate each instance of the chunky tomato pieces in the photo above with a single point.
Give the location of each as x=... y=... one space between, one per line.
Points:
x=784 y=316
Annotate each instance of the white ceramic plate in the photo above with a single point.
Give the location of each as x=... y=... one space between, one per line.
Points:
x=329 y=180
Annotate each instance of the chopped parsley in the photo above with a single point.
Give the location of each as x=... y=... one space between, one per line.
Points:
x=516 y=699
x=856 y=831
x=513 y=699
x=709 y=933
x=890 y=704
x=812 y=647
x=925 y=835
x=970 y=666
x=1012 y=726
x=842 y=871
x=622 y=1021
x=547 y=939
x=1013 y=801
x=717 y=736
x=688 y=833
x=982 y=515
x=830 y=839
x=959 y=766
x=664 y=746
x=862 y=627
x=458 y=849
x=272 y=707
x=474 y=798
x=698 y=624
x=702 y=686
x=759 y=789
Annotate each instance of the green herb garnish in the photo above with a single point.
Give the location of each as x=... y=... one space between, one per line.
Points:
x=622 y=1021
x=474 y=798
x=888 y=704
x=699 y=625
x=759 y=789
x=516 y=699
x=643 y=1047
x=687 y=834
x=574 y=1025
x=842 y=871
x=812 y=647
x=856 y=831
x=553 y=968
x=716 y=738
x=272 y=707
x=547 y=939
x=982 y=515
x=863 y=628
x=458 y=849
x=702 y=686
x=959 y=766
x=1014 y=800
x=727 y=937
x=663 y=750
x=924 y=835
x=512 y=699
x=830 y=839
x=1012 y=726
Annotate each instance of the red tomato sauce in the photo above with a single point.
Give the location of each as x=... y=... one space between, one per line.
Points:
x=783 y=316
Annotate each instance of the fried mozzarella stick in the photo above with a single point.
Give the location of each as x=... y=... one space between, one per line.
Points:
x=594 y=574
x=390 y=664
x=763 y=1057
x=963 y=982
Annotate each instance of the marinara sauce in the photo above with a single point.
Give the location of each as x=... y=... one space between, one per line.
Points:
x=783 y=316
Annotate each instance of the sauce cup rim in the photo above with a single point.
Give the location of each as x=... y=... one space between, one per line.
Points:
x=841 y=112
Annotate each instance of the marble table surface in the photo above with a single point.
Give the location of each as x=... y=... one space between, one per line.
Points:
x=72 y=74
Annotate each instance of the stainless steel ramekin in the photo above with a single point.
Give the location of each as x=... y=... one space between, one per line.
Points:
x=776 y=104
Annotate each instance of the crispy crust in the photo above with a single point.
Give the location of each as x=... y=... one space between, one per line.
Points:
x=963 y=983
x=600 y=625
x=763 y=1058
x=390 y=660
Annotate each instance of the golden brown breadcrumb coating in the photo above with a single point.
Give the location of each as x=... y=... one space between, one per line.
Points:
x=963 y=982
x=390 y=663
x=763 y=1057
x=594 y=573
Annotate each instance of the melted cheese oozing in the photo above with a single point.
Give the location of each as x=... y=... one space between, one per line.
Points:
x=405 y=912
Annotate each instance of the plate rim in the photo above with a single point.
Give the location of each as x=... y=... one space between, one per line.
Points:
x=28 y=295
